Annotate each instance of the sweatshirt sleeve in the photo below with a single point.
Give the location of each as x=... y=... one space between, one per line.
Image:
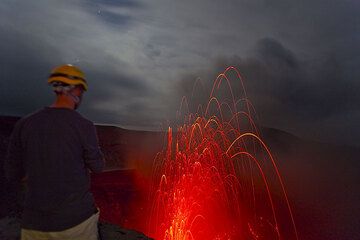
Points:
x=94 y=158
x=13 y=166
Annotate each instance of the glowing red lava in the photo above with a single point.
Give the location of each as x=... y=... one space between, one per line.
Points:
x=217 y=179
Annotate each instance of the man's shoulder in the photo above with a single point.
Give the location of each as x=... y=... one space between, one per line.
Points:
x=32 y=116
x=28 y=117
x=49 y=114
x=83 y=119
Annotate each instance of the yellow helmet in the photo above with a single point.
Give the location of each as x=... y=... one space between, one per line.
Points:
x=68 y=74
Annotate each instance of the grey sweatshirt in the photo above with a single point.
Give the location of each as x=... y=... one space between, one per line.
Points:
x=54 y=148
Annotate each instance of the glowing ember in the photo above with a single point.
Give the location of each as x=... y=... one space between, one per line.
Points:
x=217 y=179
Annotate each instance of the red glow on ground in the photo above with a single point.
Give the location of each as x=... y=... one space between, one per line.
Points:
x=120 y=195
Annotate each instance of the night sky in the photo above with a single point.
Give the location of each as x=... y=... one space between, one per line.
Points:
x=300 y=59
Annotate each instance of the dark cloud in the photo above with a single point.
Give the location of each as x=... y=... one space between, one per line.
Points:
x=288 y=92
x=115 y=18
x=24 y=70
x=313 y=89
x=275 y=54
x=151 y=51
x=116 y=3
x=116 y=13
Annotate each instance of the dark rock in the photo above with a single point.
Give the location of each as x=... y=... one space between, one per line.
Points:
x=112 y=232
x=10 y=228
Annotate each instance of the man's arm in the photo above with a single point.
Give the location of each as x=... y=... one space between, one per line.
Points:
x=14 y=169
x=94 y=158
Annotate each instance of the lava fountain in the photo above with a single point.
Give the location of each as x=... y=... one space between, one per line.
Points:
x=217 y=179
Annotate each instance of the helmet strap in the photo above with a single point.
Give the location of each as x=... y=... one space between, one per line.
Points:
x=75 y=98
x=66 y=90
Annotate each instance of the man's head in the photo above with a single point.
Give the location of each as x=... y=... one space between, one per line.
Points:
x=68 y=83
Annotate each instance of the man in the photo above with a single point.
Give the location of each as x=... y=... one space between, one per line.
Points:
x=54 y=149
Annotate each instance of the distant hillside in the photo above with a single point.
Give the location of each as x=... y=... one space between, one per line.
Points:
x=128 y=148
x=6 y=126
